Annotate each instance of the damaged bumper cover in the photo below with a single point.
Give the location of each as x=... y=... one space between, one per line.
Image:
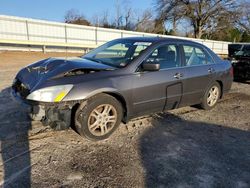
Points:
x=56 y=115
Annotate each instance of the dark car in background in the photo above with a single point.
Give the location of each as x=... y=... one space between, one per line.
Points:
x=239 y=55
x=122 y=79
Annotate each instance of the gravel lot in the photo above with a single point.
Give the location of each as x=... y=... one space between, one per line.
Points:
x=186 y=147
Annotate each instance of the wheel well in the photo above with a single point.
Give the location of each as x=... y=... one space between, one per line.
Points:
x=115 y=95
x=123 y=103
x=221 y=87
x=73 y=113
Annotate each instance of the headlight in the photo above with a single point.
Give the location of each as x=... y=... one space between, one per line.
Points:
x=50 y=94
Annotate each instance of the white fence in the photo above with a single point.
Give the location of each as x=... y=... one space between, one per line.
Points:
x=16 y=32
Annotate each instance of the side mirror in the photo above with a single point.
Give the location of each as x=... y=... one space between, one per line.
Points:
x=150 y=67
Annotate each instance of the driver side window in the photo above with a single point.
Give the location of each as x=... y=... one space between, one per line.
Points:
x=167 y=56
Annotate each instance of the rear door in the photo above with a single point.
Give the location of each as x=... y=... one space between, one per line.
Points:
x=158 y=90
x=199 y=72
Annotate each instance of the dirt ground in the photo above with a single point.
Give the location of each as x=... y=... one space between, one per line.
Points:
x=187 y=147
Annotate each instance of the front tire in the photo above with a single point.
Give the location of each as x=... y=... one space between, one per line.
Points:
x=98 y=117
x=211 y=96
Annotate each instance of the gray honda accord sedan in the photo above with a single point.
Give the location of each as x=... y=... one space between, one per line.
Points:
x=122 y=79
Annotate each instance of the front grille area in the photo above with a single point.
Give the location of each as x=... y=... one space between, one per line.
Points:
x=20 y=88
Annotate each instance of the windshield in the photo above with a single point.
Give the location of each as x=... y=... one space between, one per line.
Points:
x=117 y=53
x=244 y=52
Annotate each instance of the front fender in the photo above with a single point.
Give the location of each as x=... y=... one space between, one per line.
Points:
x=84 y=90
x=87 y=93
x=119 y=87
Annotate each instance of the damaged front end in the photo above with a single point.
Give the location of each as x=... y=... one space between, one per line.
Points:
x=57 y=115
x=43 y=86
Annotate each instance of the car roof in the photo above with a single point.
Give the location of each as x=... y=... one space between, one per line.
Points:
x=159 y=39
x=155 y=40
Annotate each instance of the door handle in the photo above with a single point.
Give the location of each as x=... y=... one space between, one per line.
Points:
x=178 y=75
x=211 y=70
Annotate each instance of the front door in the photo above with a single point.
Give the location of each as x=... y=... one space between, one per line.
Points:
x=158 y=90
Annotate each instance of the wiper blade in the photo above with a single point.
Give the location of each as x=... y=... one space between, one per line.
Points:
x=93 y=59
x=100 y=61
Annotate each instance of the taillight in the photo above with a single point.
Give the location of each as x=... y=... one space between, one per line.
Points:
x=232 y=71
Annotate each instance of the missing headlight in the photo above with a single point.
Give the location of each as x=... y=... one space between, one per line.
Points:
x=20 y=88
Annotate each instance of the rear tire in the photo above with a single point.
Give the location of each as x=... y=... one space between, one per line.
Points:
x=211 y=96
x=98 y=117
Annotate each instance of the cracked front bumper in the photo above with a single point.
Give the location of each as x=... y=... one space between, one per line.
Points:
x=36 y=112
x=55 y=115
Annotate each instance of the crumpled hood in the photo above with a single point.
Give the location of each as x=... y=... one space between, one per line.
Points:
x=53 y=67
x=52 y=64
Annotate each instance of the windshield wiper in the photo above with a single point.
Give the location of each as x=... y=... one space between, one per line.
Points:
x=93 y=59
x=100 y=61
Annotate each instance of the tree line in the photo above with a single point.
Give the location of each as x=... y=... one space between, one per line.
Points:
x=226 y=20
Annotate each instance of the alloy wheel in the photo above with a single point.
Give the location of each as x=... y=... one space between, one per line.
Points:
x=213 y=96
x=102 y=119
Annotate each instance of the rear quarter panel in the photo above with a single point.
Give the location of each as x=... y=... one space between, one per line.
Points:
x=224 y=75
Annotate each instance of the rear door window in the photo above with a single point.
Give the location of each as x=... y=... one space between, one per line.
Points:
x=195 y=56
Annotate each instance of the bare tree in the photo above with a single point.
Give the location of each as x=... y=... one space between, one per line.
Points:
x=145 y=22
x=118 y=15
x=244 y=20
x=200 y=13
x=95 y=20
x=127 y=16
x=169 y=11
x=159 y=26
x=104 y=21
x=74 y=17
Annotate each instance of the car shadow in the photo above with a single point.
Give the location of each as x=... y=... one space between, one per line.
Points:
x=181 y=153
x=15 y=151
